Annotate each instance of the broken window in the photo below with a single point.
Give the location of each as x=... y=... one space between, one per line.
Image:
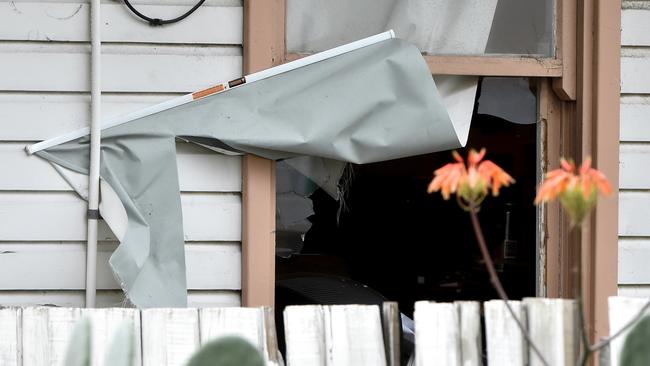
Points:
x=388 y=234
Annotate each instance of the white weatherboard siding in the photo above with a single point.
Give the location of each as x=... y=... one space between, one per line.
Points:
x=634 y=160
x=44 y=92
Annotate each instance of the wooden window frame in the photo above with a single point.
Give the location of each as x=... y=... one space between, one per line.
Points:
x=263 y=48
x=578 y=109
x=511 y=65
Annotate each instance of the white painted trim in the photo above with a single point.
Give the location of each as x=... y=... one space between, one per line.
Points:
x=95 y=148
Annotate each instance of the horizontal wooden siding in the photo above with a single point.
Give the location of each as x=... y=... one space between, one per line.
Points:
x=44 y=92
x=634 y=159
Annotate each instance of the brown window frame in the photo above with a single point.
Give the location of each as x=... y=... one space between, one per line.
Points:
x=510 y=65
x=578 y=111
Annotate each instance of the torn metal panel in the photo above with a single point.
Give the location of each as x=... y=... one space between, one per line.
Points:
x=373 y=104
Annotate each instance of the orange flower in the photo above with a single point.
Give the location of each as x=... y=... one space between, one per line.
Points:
x=470 y=182
x=577 y=192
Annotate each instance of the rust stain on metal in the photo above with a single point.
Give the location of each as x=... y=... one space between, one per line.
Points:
x=208 y=91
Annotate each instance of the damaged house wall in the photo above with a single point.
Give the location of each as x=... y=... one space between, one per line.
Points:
x=45 y=79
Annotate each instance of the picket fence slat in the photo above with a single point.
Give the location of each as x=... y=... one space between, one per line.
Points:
x=448 y=333
x=551 y=327
x=343 y=335
x=437 y=334
x=169 y=336
x=470 y=333
x=356 y=335
x=392 y=332
x=104 y=324
x=248 y=323
x=270 y=335
x=304 y=334
x=621 y=311
x=506 y=345
x=242 y=322
x=45 y=334
x=9 y=342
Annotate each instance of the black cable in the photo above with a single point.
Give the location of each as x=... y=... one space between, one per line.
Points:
x=158 y=21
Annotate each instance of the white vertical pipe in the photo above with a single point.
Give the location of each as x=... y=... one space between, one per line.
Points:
x=95 y=139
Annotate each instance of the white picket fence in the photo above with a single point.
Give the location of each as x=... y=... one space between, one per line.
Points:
x=318 y=335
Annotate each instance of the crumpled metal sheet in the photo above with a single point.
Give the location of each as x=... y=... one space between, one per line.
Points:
x=373 y=104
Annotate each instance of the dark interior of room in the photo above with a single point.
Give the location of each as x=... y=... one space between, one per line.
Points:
x=408 y=245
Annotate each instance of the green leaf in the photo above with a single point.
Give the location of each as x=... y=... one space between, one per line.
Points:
x=636 y=349
x=78 y=352
x=120 y=352
x=227 y=351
